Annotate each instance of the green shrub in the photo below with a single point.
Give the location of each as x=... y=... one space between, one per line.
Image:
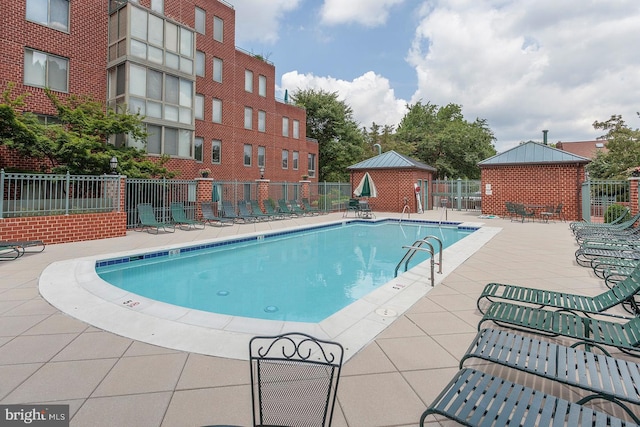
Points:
x=613 y=212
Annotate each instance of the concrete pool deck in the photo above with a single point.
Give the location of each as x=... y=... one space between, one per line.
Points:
x=47 y=356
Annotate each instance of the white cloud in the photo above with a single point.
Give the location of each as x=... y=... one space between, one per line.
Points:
x=527 y=66
x=260 y=19
x=369 y=13
x=370 y=96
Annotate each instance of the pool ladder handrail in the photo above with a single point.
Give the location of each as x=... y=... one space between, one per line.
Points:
x=405 y=209
x=417 y=246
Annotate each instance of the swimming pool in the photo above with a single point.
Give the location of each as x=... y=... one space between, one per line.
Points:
x=74 y=287
x=302 y=276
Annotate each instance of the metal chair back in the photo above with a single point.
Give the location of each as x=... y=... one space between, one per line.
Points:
x=294 y=380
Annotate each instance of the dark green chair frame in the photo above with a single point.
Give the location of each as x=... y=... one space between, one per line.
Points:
x=147 y=220
x=179 y=217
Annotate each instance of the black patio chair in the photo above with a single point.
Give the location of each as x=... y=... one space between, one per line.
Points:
x=294 y=380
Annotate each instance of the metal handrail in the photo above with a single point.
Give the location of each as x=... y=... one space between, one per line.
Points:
x=417 y=246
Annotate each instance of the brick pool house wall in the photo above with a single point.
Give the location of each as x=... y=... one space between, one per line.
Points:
x=393 y=186
x=540 y=184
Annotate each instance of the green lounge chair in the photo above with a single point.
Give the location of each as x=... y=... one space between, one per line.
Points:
x=617 y=224
x=256 y=211
x=606 y=377
x=209 y=217
x=25 y=246
x=475 y=398
x=296 y=209
x=284 y=209
x=147 y=220
x=229 y=212
x=310 y=209
x=586 y=255
x=270 y=209
x=622 y=292
x=9 y=252
x=244 y=213
x=587 y=331
x=179 y=217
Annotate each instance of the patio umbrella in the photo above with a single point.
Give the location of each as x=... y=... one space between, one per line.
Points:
x=366 y=188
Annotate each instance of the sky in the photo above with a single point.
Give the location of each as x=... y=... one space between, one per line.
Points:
x=521 y=65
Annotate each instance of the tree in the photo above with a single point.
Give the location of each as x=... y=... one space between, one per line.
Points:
x=623 y=150
x=442 y=138
x=77 y=142
x=330 y=121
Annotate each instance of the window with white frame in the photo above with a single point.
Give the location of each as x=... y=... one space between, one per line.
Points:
x=201 y=19
x=248 y=118
x=170 y=141
x=218 y=29
x=311 y=164
x=261 y=156
x=296 y=129
x=262 y=121
x=285 y=159
x=45 y=70
x=216 y=105
x=52 y=13
x=200 y=61
x=248 y=149
x=199 y=107
x=216 y=151
x=262 y=85
x=217 y=70
x=197 y=148
x=294 y=160
x=285 y=126
x=248 y=80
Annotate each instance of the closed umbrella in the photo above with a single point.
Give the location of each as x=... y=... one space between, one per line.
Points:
x=366 y=188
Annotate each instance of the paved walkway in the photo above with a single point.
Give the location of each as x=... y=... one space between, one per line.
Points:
x=108 y=380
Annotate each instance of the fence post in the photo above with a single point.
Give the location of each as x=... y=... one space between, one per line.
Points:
x=262 y=191
x=204 y=193
x=66 y=199
x=2 y=192
x=459 y=193
x=634 y=182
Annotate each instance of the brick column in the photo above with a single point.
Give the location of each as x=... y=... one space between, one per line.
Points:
x=305 y=190
x=204 y=192
x=634 y=182
x=262 y=192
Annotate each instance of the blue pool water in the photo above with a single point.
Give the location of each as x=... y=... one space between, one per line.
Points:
x=304 y=276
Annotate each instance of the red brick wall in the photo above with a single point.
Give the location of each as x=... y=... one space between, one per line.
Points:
x=86 y=48
x=533 y=184
x=393 y=186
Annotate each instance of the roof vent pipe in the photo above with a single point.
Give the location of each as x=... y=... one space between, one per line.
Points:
x=544 y=136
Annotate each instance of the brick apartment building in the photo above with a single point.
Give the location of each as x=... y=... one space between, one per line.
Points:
x=207 y=103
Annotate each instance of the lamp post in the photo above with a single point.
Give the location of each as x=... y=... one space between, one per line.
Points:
x=261 y=172
x=113 y=164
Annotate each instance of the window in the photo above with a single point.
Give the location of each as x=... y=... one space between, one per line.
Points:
x=312 y=165
x=285 y=126
x=261 y=156
x=285 y=159
x=201 y=19
x=217 y=70
x=197 y=148
x=296 y=129
x=52 y=13
x=217 y=110
x=199 y=107
x=218 y=29
x=171 y=141
x=248 y=118
x=45 y=70
x=216 y=151
x=248 y=81
x=157 y=6
x=262 y=119
x=296 y=155
x=247 y=154
x=262 y=85
x=200 y=61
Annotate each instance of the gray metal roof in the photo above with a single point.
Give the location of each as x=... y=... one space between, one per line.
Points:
x=532 y=152
x=391 y=160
